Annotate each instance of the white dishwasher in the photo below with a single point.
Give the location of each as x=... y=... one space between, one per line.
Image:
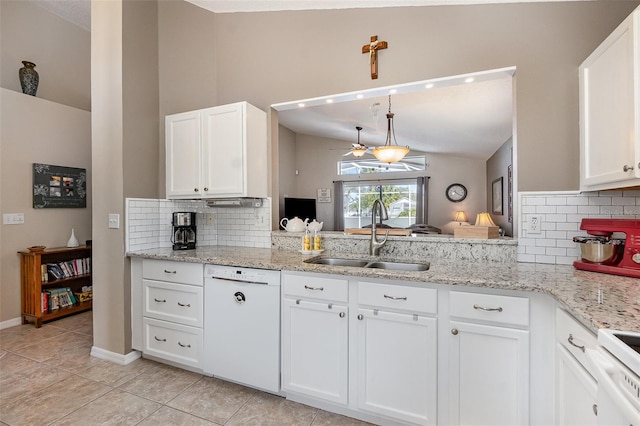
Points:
x=242 y=325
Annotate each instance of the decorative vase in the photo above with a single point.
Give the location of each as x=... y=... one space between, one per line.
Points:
x=73 y=241
x=29 y=78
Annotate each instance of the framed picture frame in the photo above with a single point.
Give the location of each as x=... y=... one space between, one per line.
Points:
x=496 y=197
x=59 y=187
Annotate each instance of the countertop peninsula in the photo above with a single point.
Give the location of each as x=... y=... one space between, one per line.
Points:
x=597 y=300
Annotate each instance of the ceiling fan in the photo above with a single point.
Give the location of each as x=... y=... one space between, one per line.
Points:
x=358 y=149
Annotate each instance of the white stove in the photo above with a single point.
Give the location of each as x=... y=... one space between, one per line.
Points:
x=616 y=363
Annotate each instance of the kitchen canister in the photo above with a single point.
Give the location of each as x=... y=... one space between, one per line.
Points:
x=29 y=78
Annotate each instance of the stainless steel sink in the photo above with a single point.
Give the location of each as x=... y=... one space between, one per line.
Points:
x=399 y=266
x=377 y=264
x=338 y=262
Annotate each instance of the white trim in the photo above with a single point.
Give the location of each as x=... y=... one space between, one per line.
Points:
x=114 y=357
x=10 y=323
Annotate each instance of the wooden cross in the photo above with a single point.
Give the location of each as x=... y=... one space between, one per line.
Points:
x=372 y=48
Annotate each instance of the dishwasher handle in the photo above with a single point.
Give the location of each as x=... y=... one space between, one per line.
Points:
x=237 y=281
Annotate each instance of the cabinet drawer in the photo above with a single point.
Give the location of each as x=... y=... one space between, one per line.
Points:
x=173 y=302
x=333 y=289
x=399 y=297
x=490 y=307
x=174 y=342
x=177 y=272
x=573 y=336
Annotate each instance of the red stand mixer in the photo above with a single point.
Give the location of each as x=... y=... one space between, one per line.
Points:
x=629 y=263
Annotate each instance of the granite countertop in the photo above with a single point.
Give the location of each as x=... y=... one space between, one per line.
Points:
x=597 y=300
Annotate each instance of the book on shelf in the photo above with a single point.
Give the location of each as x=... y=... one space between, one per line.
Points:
x=67 y=269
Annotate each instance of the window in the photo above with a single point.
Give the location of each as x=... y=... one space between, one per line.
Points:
x=372 y=165
x=405 y=200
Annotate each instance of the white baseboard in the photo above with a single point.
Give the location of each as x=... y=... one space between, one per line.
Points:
x=114 y=357
x=10 y=323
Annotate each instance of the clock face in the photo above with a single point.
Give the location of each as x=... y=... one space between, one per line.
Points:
x=456 y=192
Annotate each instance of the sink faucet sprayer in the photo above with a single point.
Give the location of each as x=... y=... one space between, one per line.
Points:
x=375 y=245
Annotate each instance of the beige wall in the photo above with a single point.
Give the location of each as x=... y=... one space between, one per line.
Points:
x=274 y=57
x=497 y=166
x=35 y=130
x=59 y=49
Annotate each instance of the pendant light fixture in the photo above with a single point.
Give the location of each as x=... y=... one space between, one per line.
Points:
x=358 y=149
x=390 y=153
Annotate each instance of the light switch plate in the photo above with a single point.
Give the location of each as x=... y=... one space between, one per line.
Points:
x=13 y=218
x=114 y=220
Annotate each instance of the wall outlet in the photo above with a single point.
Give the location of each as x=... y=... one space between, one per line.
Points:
x=209 y=218
x=13 y=218
x=534 y=225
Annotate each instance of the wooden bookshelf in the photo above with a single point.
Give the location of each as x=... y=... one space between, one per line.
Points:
x=33 y=284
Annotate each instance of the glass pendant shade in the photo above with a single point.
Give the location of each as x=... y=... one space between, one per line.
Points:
x=358 y=152
x=390 y=152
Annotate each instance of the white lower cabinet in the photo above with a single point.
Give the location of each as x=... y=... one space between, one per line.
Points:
x=315 y=349
x=397 y=365
x=488 y=375
x=488 y=360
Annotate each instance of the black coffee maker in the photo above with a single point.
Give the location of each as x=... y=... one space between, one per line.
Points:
x=183 y=236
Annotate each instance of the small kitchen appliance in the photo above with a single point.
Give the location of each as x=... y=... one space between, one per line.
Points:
x=627 y=263
x=183 y=236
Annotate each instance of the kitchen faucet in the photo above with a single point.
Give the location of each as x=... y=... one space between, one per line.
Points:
x=375 y=245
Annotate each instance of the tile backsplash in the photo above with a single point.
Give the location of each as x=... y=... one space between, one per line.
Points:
x=149 y=223
x=559 y=215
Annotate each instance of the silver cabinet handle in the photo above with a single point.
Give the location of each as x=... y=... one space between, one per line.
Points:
x=160 y=301
x=159 y=340
x=206 y=189
x=341 y=314
x=454 y=331
x=360 y=317
x=386 y=296
x=195 y=189
x=626 y=168
x=570 y=340
x=482 y=308
x=166 y=271
x=595 y=409
x=184 y=346
x=188 y=305
x=314 y=288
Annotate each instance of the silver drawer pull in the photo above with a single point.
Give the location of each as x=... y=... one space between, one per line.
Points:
x=188 y=305
x=482 y=308
x=341 y=314
x=184 y=346
x=626 y=168
x=169 y=272
x=159 y=340
x=386 y=296
x=570 y=340
x=314 y=288
x=160 y=301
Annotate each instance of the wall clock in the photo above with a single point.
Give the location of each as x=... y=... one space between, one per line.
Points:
x=456 y=192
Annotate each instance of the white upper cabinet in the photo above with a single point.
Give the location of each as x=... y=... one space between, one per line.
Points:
x=610 y=111
x=217 y=152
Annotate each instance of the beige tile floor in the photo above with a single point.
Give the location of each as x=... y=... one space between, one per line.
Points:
x=47 y=377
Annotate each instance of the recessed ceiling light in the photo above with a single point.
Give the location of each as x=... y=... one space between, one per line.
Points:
x=429 y=86
x=360 y=96
x=393 y=91
x=301 y=105
x=469 y=80
x=329 y=101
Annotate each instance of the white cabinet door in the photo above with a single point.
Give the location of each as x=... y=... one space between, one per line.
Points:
x=576 y=392
x=224 y=151
x=183 y=153
x=397 y=365
x=315 y=349
x=489 y=375
x=609 y=114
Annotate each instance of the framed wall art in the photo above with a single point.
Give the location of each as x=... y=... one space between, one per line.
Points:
x=59 y=187
x=496 y=191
